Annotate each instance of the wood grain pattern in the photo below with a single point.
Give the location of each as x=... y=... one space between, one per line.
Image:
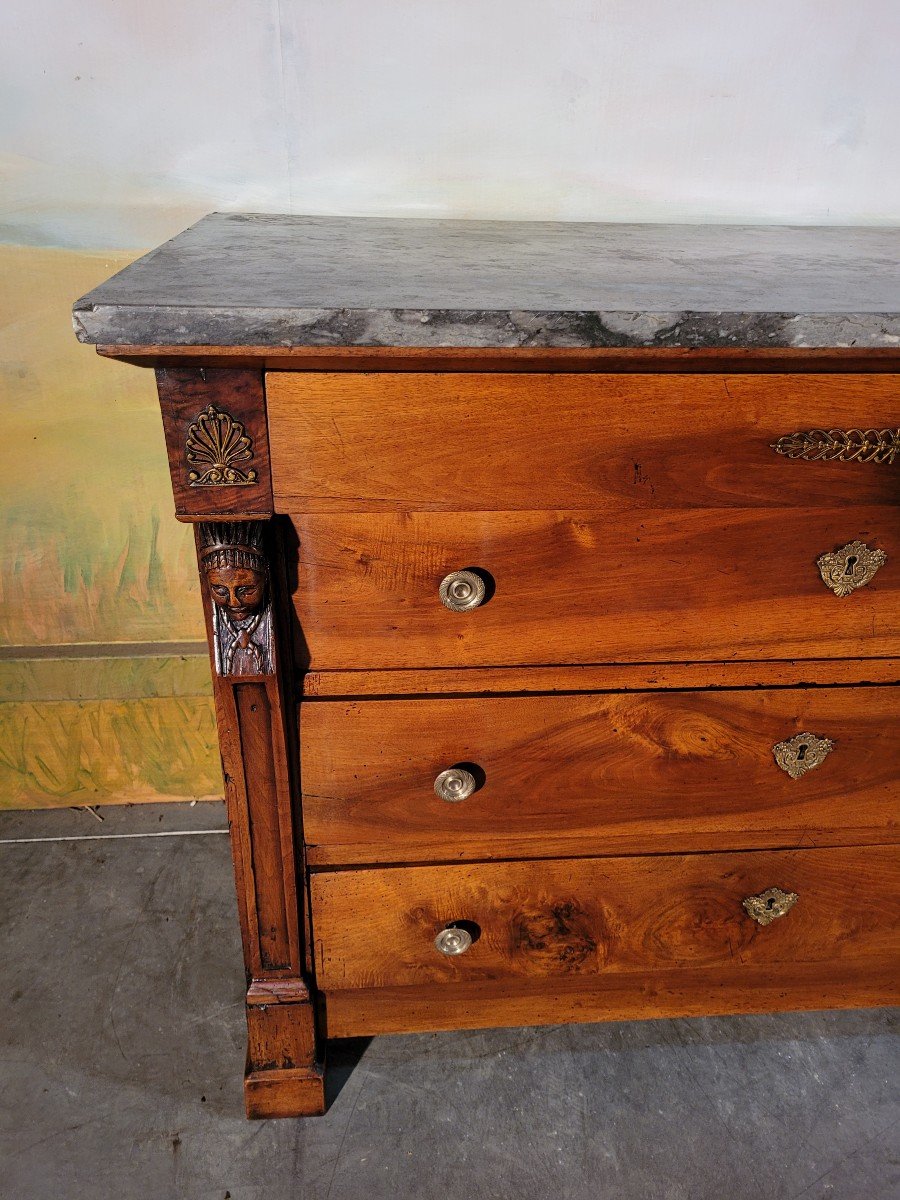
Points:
x=594 y=918
x=285 y=1092
x=629 y=773
x=587 y=587
x=624 y=677
x=184 y=392
x=271 y=903
x=637 y=997
x=343 y=442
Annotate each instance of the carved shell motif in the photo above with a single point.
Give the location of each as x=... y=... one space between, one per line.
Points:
x=215 y=443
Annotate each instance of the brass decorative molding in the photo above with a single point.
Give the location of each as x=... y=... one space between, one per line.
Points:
x=769 y=905
x=851 y=567
x=802 y=753
x=233 y=557
x=841 y=445
x=216 y=442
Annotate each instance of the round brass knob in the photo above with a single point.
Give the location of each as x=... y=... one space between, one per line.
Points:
x=456 y=783
x=453 y=940
x=462 y=591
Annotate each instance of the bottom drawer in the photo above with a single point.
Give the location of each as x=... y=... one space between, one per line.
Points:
x=585 y=921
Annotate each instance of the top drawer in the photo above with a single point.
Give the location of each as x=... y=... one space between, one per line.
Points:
x=368 y=443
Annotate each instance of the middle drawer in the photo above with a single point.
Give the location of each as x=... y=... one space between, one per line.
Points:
x=588 y=773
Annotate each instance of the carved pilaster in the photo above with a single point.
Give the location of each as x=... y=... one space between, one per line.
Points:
x=242 y=595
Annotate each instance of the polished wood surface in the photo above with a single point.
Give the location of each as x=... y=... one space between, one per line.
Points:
x=624 y=677
x=632 y=773
x=559 y=1000
x=360 y=442
x=587 y=587
x=605 y=916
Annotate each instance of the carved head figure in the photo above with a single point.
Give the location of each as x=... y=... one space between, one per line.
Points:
x=234 y=560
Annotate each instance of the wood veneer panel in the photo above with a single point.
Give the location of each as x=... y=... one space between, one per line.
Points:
x=365 y=442
x=734 y=989
x=588 y=587
x=596 y=918
x=598 y=677
x=634 y=772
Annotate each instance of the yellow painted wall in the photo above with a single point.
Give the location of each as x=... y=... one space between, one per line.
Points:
x=104 y=689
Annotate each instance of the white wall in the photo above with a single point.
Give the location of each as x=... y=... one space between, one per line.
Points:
x=122 y=120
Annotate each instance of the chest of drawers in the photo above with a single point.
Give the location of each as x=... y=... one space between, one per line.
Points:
x=551 y=577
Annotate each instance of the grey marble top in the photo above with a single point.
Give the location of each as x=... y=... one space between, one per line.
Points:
x=242 y=279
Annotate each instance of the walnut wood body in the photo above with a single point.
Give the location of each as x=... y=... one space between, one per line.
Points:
x=595 y=774
x=652 y=563
x=584 y=587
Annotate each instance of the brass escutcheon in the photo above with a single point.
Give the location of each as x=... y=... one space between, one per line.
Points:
x=802 y=753
x=769 y=905
x=851 y=567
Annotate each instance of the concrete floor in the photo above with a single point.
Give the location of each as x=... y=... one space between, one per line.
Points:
x=122 y=1045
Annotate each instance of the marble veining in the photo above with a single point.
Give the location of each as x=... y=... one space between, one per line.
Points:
x=278 y=281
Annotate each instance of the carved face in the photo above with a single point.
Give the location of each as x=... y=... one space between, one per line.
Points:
x=239 y=590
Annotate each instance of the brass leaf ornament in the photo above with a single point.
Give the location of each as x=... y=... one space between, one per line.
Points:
x=841 y=445
x=216 y=442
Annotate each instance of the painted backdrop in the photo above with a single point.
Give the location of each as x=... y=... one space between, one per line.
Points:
x=121 y=122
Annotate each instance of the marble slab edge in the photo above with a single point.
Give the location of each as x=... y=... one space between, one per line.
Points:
x=165 y=325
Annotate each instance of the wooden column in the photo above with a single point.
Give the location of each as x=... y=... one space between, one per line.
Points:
x=218 y=454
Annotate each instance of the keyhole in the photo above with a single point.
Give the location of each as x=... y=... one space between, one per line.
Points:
x=770 y=903
x=801 y=751
x=851 y=563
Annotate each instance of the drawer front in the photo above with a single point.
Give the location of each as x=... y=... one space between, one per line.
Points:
x=603 y=917
x=443 y=441
x=586 y=587
x=635 y=772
